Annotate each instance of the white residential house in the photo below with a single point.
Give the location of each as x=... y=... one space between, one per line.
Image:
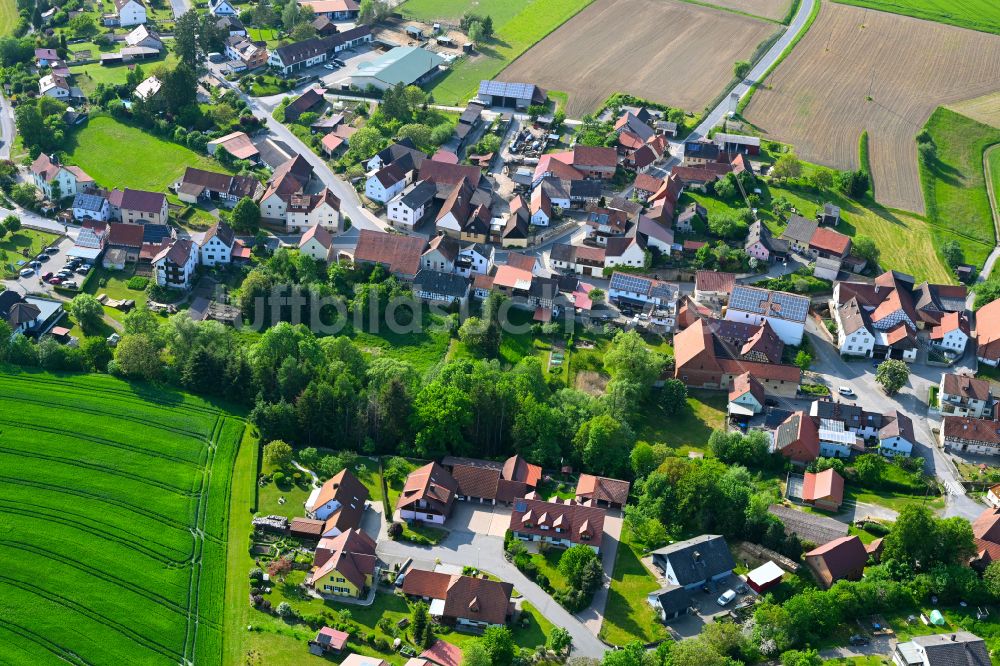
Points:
x=785 y=312
x=410 y=206
x=91 y=207
x=854 y=334
x=835 y=441
x=130 y=12
x=53 y=85
x=385 y=183
x=624 y=251
x=220 y=8
x=475 y=259
x=896 y=438
x=952 y=334
x=317 y=243
x=174 y=265
x=58 y=180
x=541 y=208
x=309 y=210
x=148 y=89
x=217 y=245
x=961 y=395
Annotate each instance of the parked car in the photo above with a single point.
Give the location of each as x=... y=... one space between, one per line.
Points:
x=329 y=66
x=27 y=272
x=71 y=284
x=726 y=597
x=83 y=270
x=845 y=390
x=42 y=257
x=51 y=250
x=858 y=639
x=37 y=265
x=48 y=276
x=338 y=62
x=113 y=339
x=770 y=402
x=55 y=281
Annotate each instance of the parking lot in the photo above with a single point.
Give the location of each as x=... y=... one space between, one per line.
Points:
x=33 y=282
x=335 y=79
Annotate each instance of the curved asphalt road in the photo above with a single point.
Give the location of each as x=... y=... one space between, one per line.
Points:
x=757 y=73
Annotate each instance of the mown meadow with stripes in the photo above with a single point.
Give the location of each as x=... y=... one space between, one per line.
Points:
x=114 y=513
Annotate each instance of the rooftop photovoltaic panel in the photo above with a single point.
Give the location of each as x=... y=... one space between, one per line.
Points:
x=504 y=89
x=779 y=304
x=632 y=283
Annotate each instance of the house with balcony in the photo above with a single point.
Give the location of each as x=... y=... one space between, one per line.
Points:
x=961 y=395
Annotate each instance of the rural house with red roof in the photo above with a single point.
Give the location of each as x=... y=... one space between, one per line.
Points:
x=461 y=600
x=344 y=565
x=428 y=494
x=797 y=438
x=489 y=482
x=340 y=502
x=602 y=491
x=558 y=523
x=841 y=559
x=824 y=490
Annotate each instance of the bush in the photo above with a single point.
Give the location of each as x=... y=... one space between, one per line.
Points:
x=257 y=574
x=137 y=283
x=285 y=610
x=395 y=530
x=278 y=478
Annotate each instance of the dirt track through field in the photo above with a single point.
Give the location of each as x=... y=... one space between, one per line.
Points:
x=817 y=98
x=772 y=9
x=664 y=50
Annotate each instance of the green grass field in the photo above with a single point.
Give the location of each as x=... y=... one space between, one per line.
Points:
x=518 y=25
x=88 y=76
x=8 y=16
x=982 y=15
x=117 y=155
x=955 y=185
x=115 y=511
x=689 y=430
x=904 y=239
x=628 y=616
x=12 y=246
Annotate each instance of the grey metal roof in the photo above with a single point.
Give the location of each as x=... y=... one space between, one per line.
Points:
x=800 y=229
x=959 y=648
x=808 y=526
x=421 y=193
x=697 y=559
x=672 y=599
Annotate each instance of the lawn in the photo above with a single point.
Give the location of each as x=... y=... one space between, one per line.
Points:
x=394 y=489
x=518 y=25
x=423 y=349
x=688 y=431
x=88 y=76
x=896 y=233
x=118 y=155
x=114 y=284
x=548 y=564
x=955 y=186
x=8 y=16
x=269 y=35
x=982 y=15
x=628 y=616
x=12 y=247
x=116 y=517
x=892 y=500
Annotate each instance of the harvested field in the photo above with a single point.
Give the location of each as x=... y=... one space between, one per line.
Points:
x=816 y=98
x=684 y=66
x=985 y=109
x=975 y=14
x=771 y=9
x=115 y=509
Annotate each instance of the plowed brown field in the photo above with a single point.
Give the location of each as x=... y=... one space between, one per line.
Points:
x=664 y=50
x=772 y=9
x=817 y=99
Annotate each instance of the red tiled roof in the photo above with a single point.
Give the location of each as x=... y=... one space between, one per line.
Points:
x=745 y=383
x=828 y=240
x=590 y=156
x=828 y=485
x=842 y=556
x=988 y=330
x=987 y=526
x=401 y=254
x=443 y=654
x=714 y=281
x=573 y=520
x=648 y=183
x=602 y=489
x=125 y=235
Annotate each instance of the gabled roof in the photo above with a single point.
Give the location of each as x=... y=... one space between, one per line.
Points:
x=966 y=386
x=603 y=489
x=808 y=526
x=400 y=254
x=950 y=321
x=465 y=597
x=593 y=156
x=446 y=173
x=125 y=235
x=777 y=304
x=648 y=182
x=800 y=229
x=828 y=240
x=91 y=203
x=443 y=654
x=714 y=281
x=825 y=485
x=303 y=103
x=655 y=230
x=237 y=144
x=177 y=252
x=142 y=201
x=697 y=559
x=291 y=54
x=986 y=526
x=899 y=425
x=439 y=282
x=46 y=167
x=351 y=554
x=842 y=556
x=988 y=330
x=578 y=523
x=959 y=648
x=345 y=489
x=798 y=438
x=431 y=483
x=746 y=383
x=319 y=233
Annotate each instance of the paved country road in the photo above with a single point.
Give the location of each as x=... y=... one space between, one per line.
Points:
x=757 y=73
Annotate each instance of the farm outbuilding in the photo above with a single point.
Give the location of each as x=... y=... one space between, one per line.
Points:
x=510 y=95
x=764 y=577
x=409 y=65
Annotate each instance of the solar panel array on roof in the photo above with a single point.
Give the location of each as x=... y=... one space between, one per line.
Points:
x=663 y=291
x=631 y=283
x=777 y=304
x=504 y=89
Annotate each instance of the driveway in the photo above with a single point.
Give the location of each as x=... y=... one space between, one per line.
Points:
x=911 y=401
x=34 y=283
x=475 y=539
